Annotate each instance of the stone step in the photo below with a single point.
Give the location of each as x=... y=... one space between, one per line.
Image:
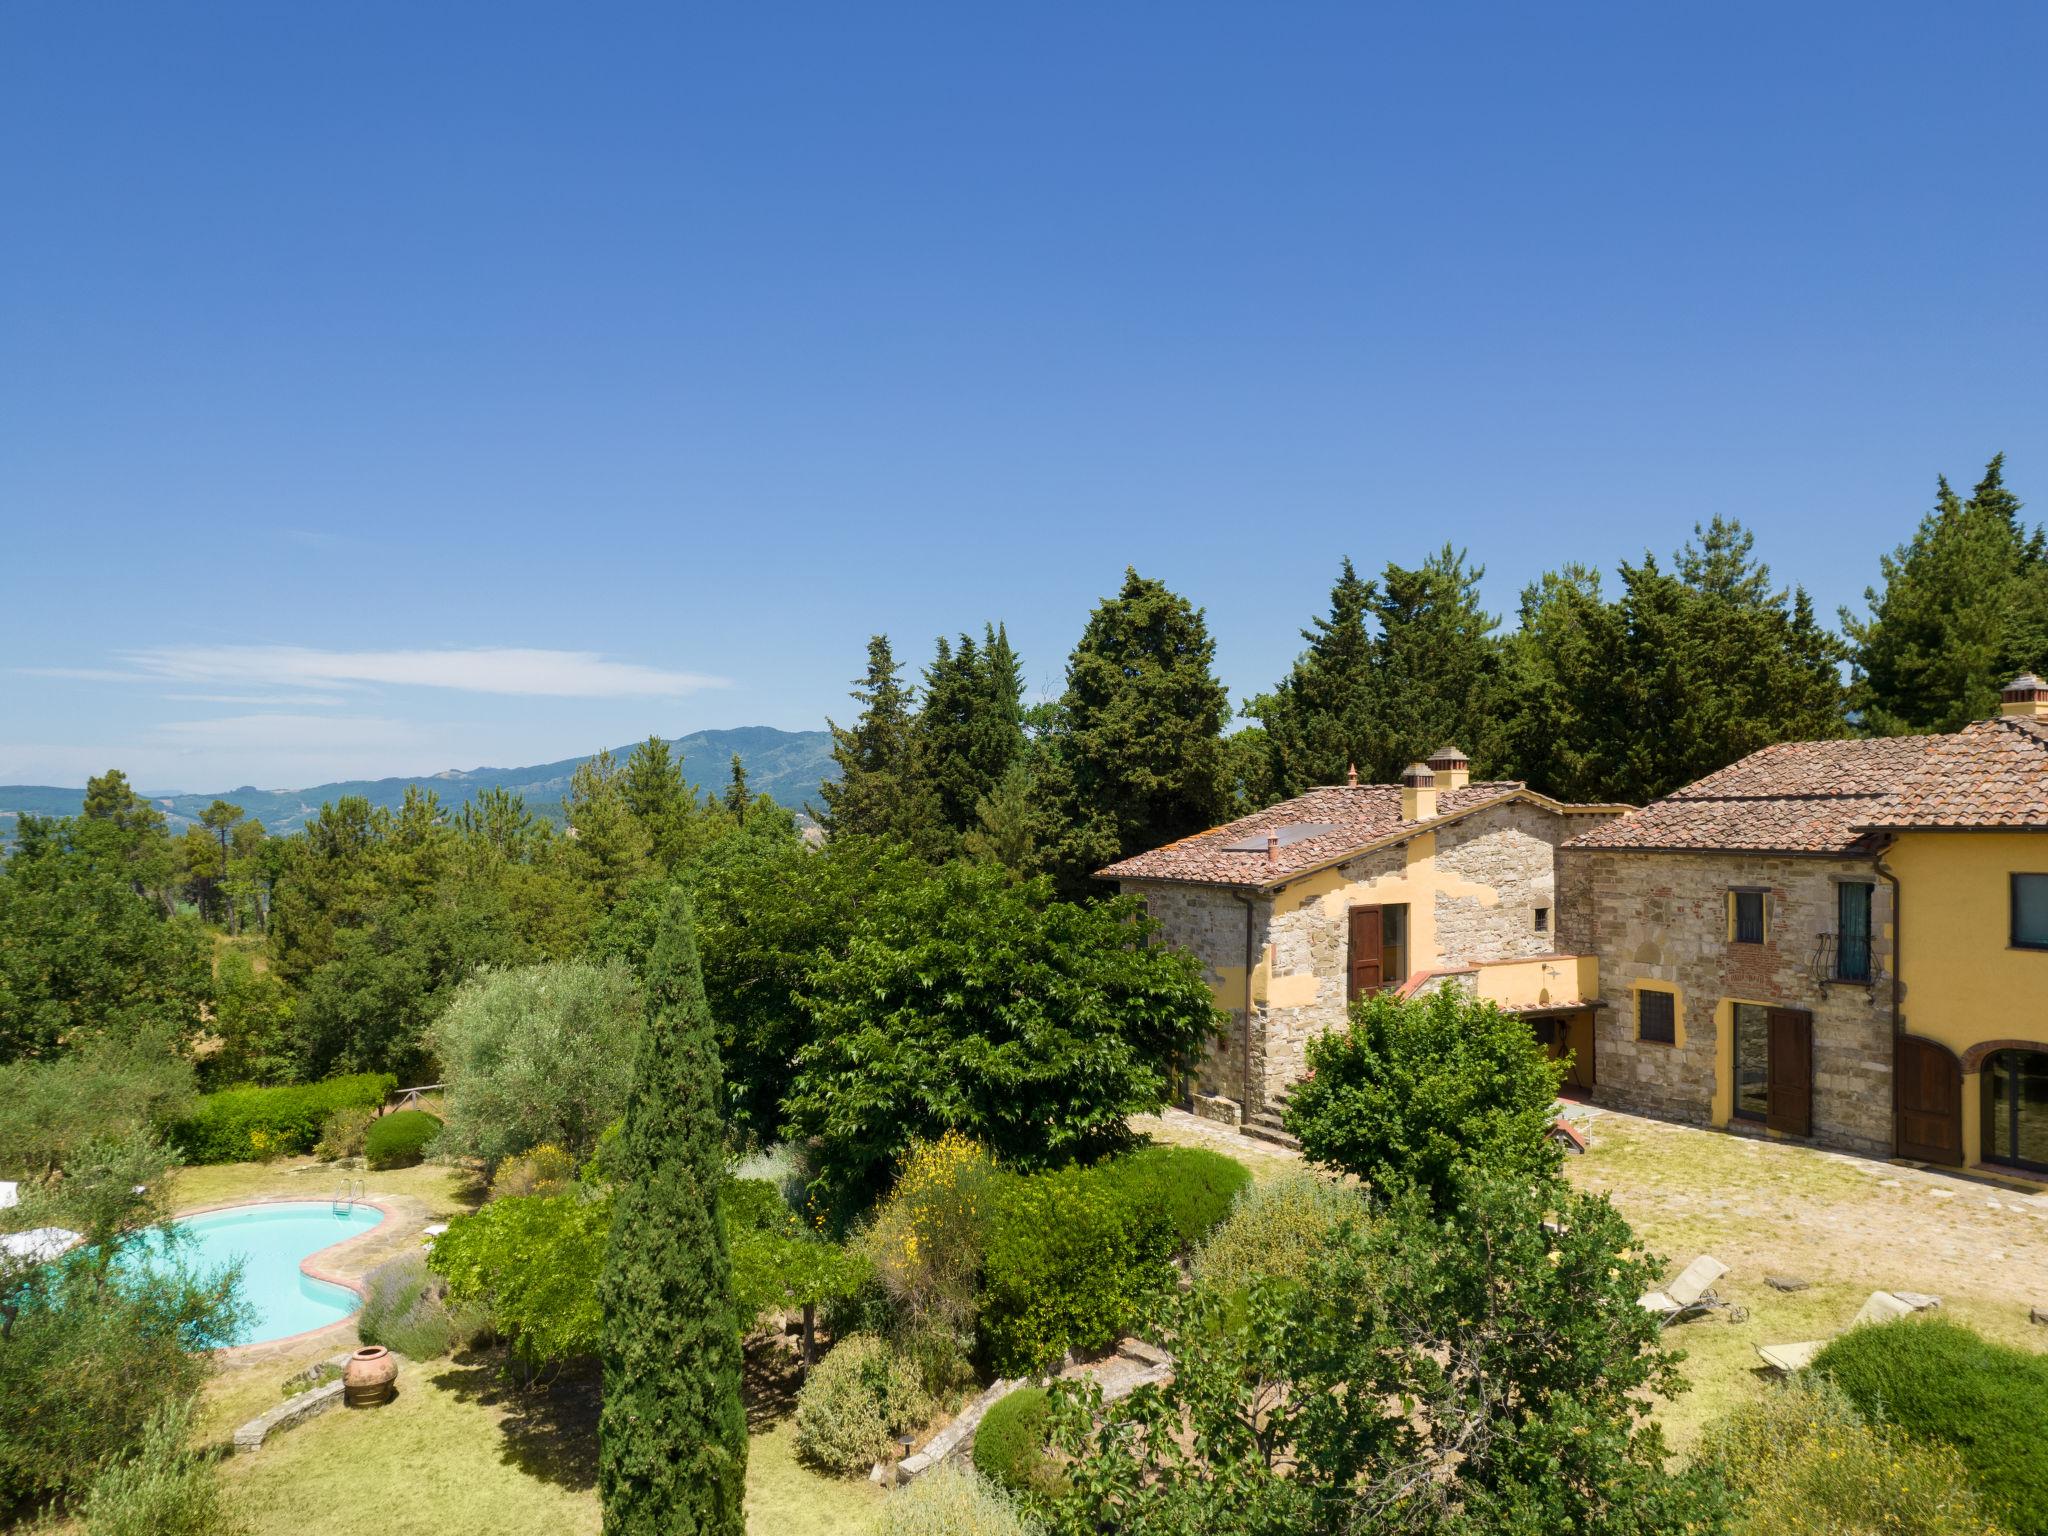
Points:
x=1259 y=1130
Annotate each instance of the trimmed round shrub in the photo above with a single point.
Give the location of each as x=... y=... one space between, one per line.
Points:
x=1009 y=1444
x=239 y=1125
x=1276 y=1230
x=1940 y=1381
x=1176 y=1195
x=857 y=1399
x=1803 y=1461
x=400 y=1140
x=951 y=1501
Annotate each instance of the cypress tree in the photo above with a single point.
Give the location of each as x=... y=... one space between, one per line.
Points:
x=736 y=791
x=1438 y=660
x=672 y=1452
x=970 y=726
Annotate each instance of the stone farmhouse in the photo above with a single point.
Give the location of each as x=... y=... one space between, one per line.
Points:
x=1432 y=882
x=1845 y=941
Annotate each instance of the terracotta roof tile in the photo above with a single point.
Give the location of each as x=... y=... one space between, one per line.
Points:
x=1358 y=815
x=1838 y=797
x=1990 y=774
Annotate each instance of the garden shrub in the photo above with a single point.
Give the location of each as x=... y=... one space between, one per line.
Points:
x=1805 y=1462
x=242 y=1124
x=926 y=1240
x=860 y=1395
x=1938 y=1380
x=1071 y=1259
x=1010 y=1442
x=400 y=1140
x=1176 y=1194
x=343 y=1134
x=407 y=1310
x=1061 y=1270
x=164 y=1489
x=951 y=1501
x=546 y=1170
x=529 y=1264
x=1276 y=1230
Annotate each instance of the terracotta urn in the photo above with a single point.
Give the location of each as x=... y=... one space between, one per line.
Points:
x=367 y=1379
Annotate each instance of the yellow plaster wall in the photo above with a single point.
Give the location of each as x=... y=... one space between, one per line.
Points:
x=1963 y=982
x=1538 y=981
x=1721 y=1108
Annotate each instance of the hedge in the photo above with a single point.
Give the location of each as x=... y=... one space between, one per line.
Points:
x=1009 y=1444
x=241 y=1124
x=1940 y=1381
x=400 y=1140
x=1072 y=1259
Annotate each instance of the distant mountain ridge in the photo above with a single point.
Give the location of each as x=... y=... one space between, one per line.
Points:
x=786 y=765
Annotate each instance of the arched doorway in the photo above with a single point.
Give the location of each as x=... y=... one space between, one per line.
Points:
x=2016 y=1109
x=1928 y=1093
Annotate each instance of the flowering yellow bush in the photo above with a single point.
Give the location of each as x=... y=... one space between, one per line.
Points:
x=926 y=1239
x=264 y=1145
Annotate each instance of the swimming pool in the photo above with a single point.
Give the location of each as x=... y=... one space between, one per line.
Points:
x=271 y=1240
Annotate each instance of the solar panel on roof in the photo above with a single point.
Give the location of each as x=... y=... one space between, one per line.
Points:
x=1293 y=832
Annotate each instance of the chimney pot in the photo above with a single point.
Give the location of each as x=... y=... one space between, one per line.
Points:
x=1351 y=776
x=1452 y=768
x=1272 y=849
x=2025 y=697
x=1418 y=793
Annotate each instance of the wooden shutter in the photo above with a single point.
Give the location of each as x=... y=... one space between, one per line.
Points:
x=1368 y=959
x=1791 y=1072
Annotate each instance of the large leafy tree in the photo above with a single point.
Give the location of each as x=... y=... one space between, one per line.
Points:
x=673 y=1434
x=1485 y=1370
x=880 y=791
x=975 y=1003
x=84 y=954
x=1134 y=756
x=1415 y=1092
x=1963 y=609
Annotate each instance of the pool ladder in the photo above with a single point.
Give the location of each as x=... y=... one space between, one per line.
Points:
x=350 y=1195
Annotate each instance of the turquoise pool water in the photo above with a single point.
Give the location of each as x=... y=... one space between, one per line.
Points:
x=270 y=1240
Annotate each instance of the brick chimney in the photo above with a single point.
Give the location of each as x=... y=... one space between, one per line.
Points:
x=1418 y=793
x=1450 y=767
x=2025 y=697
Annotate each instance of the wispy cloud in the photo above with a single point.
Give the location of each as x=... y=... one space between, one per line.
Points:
x=487 y=669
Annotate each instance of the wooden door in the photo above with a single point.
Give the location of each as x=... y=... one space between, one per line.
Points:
x=1368 y=952
x=1927 y=1088
x=1791 y=1072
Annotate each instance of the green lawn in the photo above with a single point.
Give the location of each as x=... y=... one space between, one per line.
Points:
x=459 y=1449
x=457 y=1452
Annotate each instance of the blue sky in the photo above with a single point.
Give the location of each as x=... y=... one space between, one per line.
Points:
x=352 y=357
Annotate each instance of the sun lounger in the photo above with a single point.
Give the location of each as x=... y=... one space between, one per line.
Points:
x=1690 y=1293
x=1883 y=1307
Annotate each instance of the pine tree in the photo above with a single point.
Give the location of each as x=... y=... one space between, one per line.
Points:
x=970 y=725
x=1324 y=715
x=672 y=1437
x=1135 y=756
x=611 y=844
x=662 y=802
x=1963 y=609
x=736 y=790
x=1438 y=664
x=879 y=792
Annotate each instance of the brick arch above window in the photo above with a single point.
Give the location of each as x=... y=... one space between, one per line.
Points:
x=1974 y=1058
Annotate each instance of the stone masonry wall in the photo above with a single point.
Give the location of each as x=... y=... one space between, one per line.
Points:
x=1209 y=924
x=1662 y=917
x=1512 y=850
